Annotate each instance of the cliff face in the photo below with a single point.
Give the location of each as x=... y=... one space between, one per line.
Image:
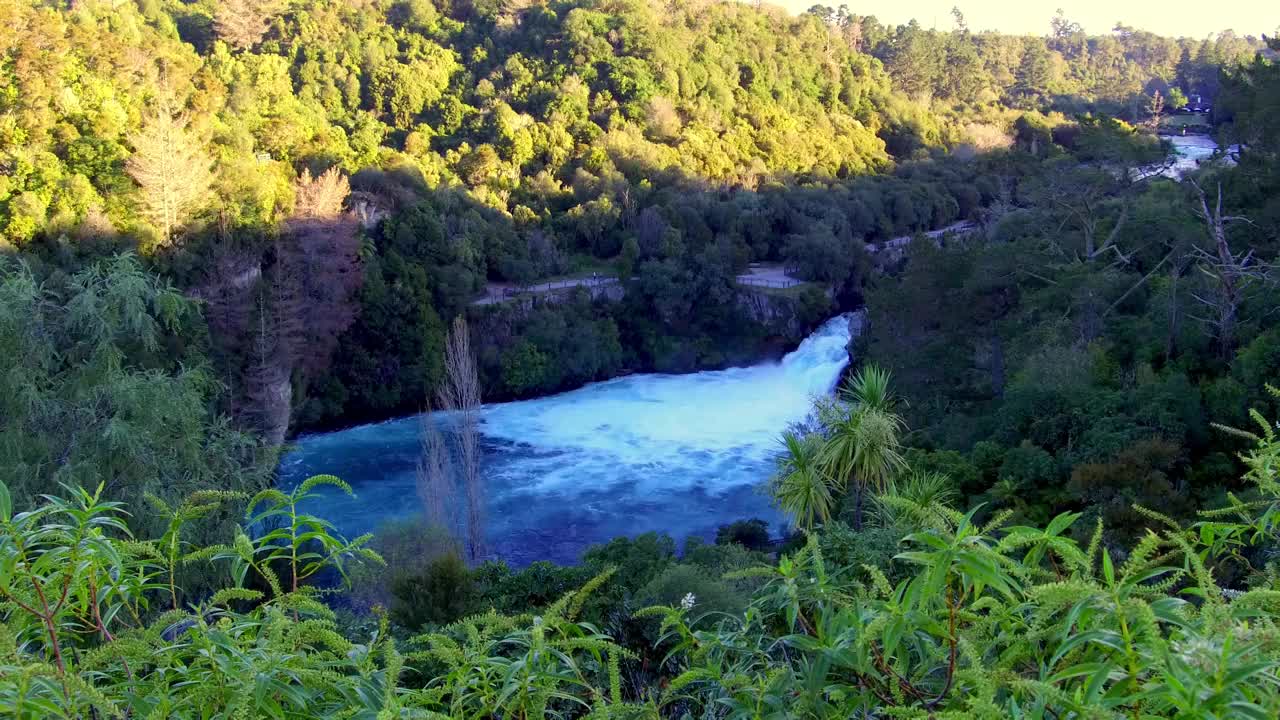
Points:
x=778 y=320
x=787 y=314
x=609 y=289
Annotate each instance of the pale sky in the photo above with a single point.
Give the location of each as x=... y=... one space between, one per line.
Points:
x=1177 y=18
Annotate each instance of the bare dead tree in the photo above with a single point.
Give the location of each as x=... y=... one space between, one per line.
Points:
x=1182 y=258
x=1084 y=196
x=230 y=291
x=242 y=23
x=1171 y=328
x=289 y=306
x=1231 y=273
x=650 y=228
x=851 y=30
x=1141 y=281
x=1155 y=110
x=267 y=384
x=172 y=170
x=460 y=395
x=434 y=477
x=320 y=197
x=318 y=256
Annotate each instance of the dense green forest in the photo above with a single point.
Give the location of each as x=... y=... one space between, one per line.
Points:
x=509 y=142
x=1047 y=489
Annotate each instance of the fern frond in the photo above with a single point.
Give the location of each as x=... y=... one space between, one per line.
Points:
x=1157 y=516
x=878 y=580
x=996 y=522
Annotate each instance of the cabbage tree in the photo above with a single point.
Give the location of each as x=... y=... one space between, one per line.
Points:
x=863 y=441
x=801 y=487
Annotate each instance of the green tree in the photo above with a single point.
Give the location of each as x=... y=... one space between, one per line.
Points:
x=915 y=59
x=863 y=445
x=802 y=488
x=99 y=383
x=1120 y=638
x=1034 y=71
x=524 y=368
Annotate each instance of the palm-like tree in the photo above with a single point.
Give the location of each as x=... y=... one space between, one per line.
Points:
x=919 y=501
x=863 y=444
x=801 y=488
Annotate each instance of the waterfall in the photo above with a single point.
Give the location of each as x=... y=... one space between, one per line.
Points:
x=680 y=454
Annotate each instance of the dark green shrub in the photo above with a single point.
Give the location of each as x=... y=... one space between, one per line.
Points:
x=408 y=546
x=638 y=560
x=703 y=592
x=752 y=534
x=528 y=590
x=845 y=547
x=443 y=592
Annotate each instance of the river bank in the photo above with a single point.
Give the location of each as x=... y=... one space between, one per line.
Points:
x=600 y=340
x=680 y=454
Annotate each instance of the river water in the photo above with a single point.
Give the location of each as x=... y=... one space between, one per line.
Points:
x=1189 y=151
x=680 y=454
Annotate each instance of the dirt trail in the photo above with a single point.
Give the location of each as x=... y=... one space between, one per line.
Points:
x=501 y=292
x=773 y=275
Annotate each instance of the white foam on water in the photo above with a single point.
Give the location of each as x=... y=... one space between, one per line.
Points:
x=679 y=454
x=1190 y=151
x=699 y=422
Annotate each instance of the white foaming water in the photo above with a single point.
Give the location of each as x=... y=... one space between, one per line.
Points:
x=679 y=454
x=1190 y=151
x=643 y=419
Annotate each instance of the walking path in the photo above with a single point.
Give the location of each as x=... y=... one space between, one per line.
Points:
x=961 y=228
x=769 y=275
x=501 y=292
x=775 y=275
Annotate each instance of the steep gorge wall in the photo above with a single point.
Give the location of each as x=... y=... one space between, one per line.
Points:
x=779 y=320
x=790 y=315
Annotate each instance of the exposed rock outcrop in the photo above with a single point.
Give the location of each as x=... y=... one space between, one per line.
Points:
x=789 y=315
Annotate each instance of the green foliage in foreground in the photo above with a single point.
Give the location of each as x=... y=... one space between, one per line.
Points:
x=992 y=621
x=102 y=380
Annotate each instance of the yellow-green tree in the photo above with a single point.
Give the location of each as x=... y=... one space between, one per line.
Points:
x=172 y=170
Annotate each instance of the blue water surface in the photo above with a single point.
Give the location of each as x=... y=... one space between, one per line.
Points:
x=680 y=454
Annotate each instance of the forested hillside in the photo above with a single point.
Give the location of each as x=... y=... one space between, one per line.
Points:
x=1077 y=352
x=1117 y=73
x=235 y=145
x=505 y=143
x=1047 y=489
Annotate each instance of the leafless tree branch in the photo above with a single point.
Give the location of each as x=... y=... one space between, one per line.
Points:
x=460 y=395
